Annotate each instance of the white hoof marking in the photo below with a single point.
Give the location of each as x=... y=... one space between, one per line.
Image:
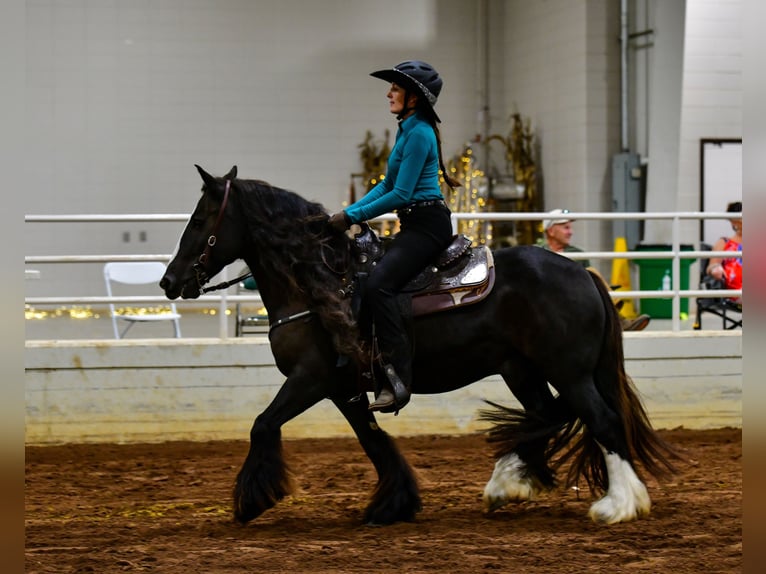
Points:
x=627 y=497
x=508 y=483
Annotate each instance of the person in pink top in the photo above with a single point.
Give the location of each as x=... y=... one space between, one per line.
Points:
x=729 y=269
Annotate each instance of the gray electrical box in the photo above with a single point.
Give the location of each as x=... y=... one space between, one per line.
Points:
x=627 y=177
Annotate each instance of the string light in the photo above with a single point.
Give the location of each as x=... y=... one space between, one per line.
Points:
x=470 y=198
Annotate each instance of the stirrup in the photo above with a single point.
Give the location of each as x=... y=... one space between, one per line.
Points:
x=391 y=401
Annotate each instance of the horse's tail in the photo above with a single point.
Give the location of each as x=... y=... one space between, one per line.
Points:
x=561 y=436
x=618 y=390
x=515 y=429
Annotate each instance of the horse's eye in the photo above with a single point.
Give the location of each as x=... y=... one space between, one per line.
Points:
x=196 y=222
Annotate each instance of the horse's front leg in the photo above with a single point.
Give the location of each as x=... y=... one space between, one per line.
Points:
x=396 y=497
x=264 y=478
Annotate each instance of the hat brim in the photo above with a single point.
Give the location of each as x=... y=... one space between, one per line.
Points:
x=396 y=77
x=557 y=222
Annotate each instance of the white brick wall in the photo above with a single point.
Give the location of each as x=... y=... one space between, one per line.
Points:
x=712 y=86
x=124 y=96
x=562 y=70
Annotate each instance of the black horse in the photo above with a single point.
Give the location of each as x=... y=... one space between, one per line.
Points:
x=546 y=321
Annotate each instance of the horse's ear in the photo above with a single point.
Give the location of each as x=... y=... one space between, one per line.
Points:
x=206 y=177
x=232 y=173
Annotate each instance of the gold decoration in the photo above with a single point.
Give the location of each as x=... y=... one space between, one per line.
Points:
x=521 y=168
x=471 y=197
x=374 y=157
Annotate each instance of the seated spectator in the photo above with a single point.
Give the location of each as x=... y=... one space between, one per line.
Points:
x=728 y=270
x=557 y=237
x=557 y=234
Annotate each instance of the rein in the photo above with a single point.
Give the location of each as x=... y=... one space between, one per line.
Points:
x=225 y=284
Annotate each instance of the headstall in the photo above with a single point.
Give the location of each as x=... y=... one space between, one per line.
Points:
x=201 y=274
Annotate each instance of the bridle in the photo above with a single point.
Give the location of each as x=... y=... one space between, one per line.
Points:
x=199 y=270
x=202 y=276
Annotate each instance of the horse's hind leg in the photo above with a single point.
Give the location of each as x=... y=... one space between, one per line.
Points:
x=626 y=495
x=396 y=497
x=521 y=469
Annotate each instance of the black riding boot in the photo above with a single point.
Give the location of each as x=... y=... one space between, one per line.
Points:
x=393 y=334
x=394 y=393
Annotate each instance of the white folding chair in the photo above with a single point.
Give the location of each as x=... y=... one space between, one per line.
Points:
x=137 y=273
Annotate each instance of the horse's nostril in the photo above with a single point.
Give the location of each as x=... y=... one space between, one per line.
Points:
x=164 y=283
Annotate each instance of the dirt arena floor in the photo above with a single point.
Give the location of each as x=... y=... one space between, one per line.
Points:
x=166 y=508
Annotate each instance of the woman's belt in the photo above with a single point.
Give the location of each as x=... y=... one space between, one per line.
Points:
x=418 y=204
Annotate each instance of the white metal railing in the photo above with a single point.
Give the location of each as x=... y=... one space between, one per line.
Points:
x=223 y=298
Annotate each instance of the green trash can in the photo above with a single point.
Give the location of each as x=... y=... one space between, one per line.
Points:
x=657 y=275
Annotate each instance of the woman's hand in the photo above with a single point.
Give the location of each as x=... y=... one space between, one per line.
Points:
x=716 y=271
x=339 y=221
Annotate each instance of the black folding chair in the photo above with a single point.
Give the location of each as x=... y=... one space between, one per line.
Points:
x=246 y=324
x=729 y=311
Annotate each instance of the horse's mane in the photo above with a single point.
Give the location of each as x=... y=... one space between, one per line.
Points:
x=296 y=247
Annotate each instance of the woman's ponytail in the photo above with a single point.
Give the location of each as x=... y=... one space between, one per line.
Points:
x=429 y=113
x=451 y=181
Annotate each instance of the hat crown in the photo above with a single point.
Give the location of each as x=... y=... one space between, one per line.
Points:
x=415 y=74
x=425 y=77
x=555 y=217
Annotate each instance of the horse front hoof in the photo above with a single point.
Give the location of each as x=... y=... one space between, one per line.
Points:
x=491 y=504
x=243 y=516
x=372 y=524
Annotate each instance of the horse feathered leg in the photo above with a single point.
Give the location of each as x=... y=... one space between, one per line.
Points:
x=521 y=438
x=396 y=497
x=510 y=482
x=626 y=497
x=264 y=478
x=621 y=428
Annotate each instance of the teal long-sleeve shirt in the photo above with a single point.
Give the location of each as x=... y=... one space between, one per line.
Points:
x=412 y=174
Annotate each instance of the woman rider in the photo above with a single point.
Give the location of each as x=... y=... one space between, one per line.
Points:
x=411 y=188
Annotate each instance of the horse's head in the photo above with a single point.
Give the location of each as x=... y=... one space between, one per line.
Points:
x=209 y=242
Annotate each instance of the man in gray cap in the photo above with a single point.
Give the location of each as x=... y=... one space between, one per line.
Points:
x=557 y=234
x=557 y=237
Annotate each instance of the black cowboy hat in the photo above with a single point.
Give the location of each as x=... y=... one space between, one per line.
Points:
x=418 y=76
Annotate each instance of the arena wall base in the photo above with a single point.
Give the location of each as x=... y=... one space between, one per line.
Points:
x=152 y=390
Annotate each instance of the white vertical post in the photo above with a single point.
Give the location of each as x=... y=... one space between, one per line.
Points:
x=676 y=269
